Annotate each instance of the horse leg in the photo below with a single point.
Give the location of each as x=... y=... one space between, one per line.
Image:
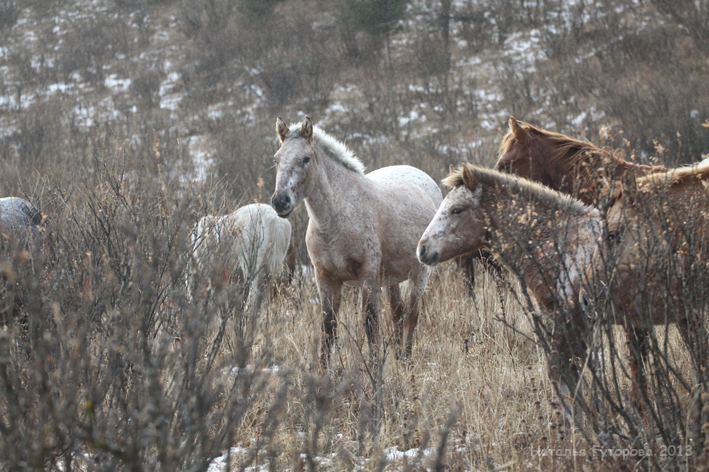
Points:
x=498 y=273
x=329 y=290
x=370 y=308
x=290 y=262
x=466 y=265
x=417 y=285
x=397 y=311
x=251 y=305
x=260 y=285
x=637 y=341
x=567 y=344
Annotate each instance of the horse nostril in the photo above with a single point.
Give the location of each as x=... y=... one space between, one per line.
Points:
x=422 y=250
x=280 y=201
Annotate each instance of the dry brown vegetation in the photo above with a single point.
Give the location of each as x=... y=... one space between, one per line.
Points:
x=108 y=365
x=107 y=112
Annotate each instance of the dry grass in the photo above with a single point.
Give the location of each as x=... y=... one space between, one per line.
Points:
x=471 y=379
x=465 y=365
x=108 y=365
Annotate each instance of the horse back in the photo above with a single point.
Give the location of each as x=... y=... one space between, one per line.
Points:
x=254 y=235
x=406 y=175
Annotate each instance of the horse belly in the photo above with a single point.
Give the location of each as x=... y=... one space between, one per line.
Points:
x=352 y=268
x=399 y=233
x=400 y=263
x=649 y=298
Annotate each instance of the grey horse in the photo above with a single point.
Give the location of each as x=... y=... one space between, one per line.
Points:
x=21 y=222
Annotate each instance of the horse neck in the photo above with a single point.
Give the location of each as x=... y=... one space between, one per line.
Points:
x=577 y=231
x=581 y=185
x=585 y=177
x=334 y=191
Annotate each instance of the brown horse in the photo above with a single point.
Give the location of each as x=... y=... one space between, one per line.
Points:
x=563 y=163
x=659 y=216
x=545 y=237
x=653 y=265
x=560 y=162
x=577 y=168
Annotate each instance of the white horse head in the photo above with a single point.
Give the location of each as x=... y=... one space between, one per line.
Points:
x=297 y=159
x=457 y=228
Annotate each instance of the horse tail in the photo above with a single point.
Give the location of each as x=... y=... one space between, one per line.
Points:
x=405 y=289
x=263 y=241
x=255 y=236
x=247 y=233
x=203 y=233
x=279 y=231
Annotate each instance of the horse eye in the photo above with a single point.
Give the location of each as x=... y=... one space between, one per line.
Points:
x=505 y=167
x=306 y=159
x=275 y=160
x=612 y=236
x=456 y=211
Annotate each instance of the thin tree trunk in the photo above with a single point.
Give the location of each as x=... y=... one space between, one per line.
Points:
x=445 y=19
x=388 y=52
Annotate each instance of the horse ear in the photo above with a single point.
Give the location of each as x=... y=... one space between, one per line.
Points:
x=451 y=169
x=281 y=129
x=306 y=129
x=469 y=179
x=517 y=130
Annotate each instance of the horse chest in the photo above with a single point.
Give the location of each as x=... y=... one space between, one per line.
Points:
x=345 y=258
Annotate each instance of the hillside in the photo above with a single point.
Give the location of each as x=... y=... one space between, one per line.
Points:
x=125 y=121
x=214 y=74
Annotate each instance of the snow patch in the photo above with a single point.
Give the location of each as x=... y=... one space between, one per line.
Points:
x=117 y=85
x=202 y=156
x=219 y=464
x=394 y=455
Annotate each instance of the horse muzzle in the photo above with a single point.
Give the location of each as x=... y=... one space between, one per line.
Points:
x=283 y=204
x=426 y=256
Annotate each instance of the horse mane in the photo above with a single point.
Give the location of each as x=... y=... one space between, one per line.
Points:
x=525 y=187
x=586 y=158
x=575 y=149
x=674 y=176
x=337 y=149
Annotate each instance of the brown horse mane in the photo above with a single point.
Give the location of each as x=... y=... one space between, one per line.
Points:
x=572 y=152
x=525 y=187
